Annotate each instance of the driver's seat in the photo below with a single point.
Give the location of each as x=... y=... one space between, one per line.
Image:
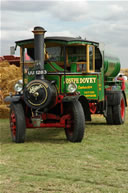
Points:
x=78 y=67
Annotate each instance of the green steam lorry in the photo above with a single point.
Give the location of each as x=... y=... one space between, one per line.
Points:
x=64 y=81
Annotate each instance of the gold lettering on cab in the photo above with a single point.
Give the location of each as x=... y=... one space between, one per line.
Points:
x=80 y=80
x=33 y=89
x=87 y=80
x=70 y=80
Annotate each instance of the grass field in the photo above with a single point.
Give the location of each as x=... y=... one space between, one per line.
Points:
x=47 y=163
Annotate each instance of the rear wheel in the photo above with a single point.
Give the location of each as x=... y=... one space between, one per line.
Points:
x=75 y=130
x=17 y=122
x=119 y=112
x=109 y=116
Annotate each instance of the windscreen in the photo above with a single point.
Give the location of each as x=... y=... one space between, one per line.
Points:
x=55 y=54
x=76 y=53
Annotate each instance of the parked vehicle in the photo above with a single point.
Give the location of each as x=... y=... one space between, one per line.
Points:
x=65 y=80
x=11 y=59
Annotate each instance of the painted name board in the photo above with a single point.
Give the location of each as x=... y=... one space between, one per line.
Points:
x=87 y=85
x=81 y=80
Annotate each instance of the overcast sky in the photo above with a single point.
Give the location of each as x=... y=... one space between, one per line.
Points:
x=102 y=21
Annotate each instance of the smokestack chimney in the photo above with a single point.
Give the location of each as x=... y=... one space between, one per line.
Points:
x=39 y=49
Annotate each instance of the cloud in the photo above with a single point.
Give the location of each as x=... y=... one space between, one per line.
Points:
x=70 y=11
x=116 y=8
x=63 y=10
x=26 y=6
x=102 y=21
x=60 y=33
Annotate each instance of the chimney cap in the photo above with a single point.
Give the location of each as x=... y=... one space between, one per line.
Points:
x=38 y=28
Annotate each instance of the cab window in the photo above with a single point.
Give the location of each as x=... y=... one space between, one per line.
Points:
x=76 y=54
x=28 y=55
x=91 y=58
x=55 y=54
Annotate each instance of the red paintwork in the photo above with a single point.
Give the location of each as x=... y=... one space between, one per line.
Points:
x=109 y=88
x=122 y=83
x=92 y=107
x=62 y=121
x=122 y=108
x=13 y=124
x=59 y=100
x=11 y=59
x=46 y=116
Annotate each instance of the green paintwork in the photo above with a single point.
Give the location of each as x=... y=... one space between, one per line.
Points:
x=111 y=66
x=91 y=85
x=56 y=78
x=53 y=67
x=74 y=67
x=28 y=78
x=87 y=85
x=25 y=43
x=50 y=67
x=101 y=85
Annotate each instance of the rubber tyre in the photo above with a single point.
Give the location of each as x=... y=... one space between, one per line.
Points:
x=17 y=123
x=76 y=132
x=109 y=117
x=119 y=112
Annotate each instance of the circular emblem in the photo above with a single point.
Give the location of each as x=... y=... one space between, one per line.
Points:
x=36 y=93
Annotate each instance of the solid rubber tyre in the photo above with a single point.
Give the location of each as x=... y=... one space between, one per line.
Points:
x=119 y=112
x=76 y=132
x=17 y=122
x=109 y=116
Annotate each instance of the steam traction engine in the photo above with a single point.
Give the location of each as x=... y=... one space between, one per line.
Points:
x=65 y=80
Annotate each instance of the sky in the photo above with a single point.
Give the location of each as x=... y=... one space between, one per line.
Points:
x=101 y=21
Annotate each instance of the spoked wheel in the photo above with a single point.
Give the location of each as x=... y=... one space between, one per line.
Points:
x=17 y=122
x=76 y=124
x=119 y=112
x=13 y=125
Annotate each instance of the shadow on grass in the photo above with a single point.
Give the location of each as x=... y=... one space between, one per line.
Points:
x=42 y=135
x=94 y=123
x=46 y=135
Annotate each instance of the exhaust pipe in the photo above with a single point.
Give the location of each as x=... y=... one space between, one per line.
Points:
x=39 y=50
x=40 y=93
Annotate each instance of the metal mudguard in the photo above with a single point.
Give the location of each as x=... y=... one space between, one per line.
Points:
x=113 y=97
x=12 y=98
x=84 y=102
x=70 y=98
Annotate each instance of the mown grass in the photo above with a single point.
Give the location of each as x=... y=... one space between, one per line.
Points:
x=46 y=162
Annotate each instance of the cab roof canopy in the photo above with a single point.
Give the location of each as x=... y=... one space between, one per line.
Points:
x=29 y=43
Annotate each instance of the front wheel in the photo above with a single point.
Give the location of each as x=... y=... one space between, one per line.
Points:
x=75 y=131
x=17 y=122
